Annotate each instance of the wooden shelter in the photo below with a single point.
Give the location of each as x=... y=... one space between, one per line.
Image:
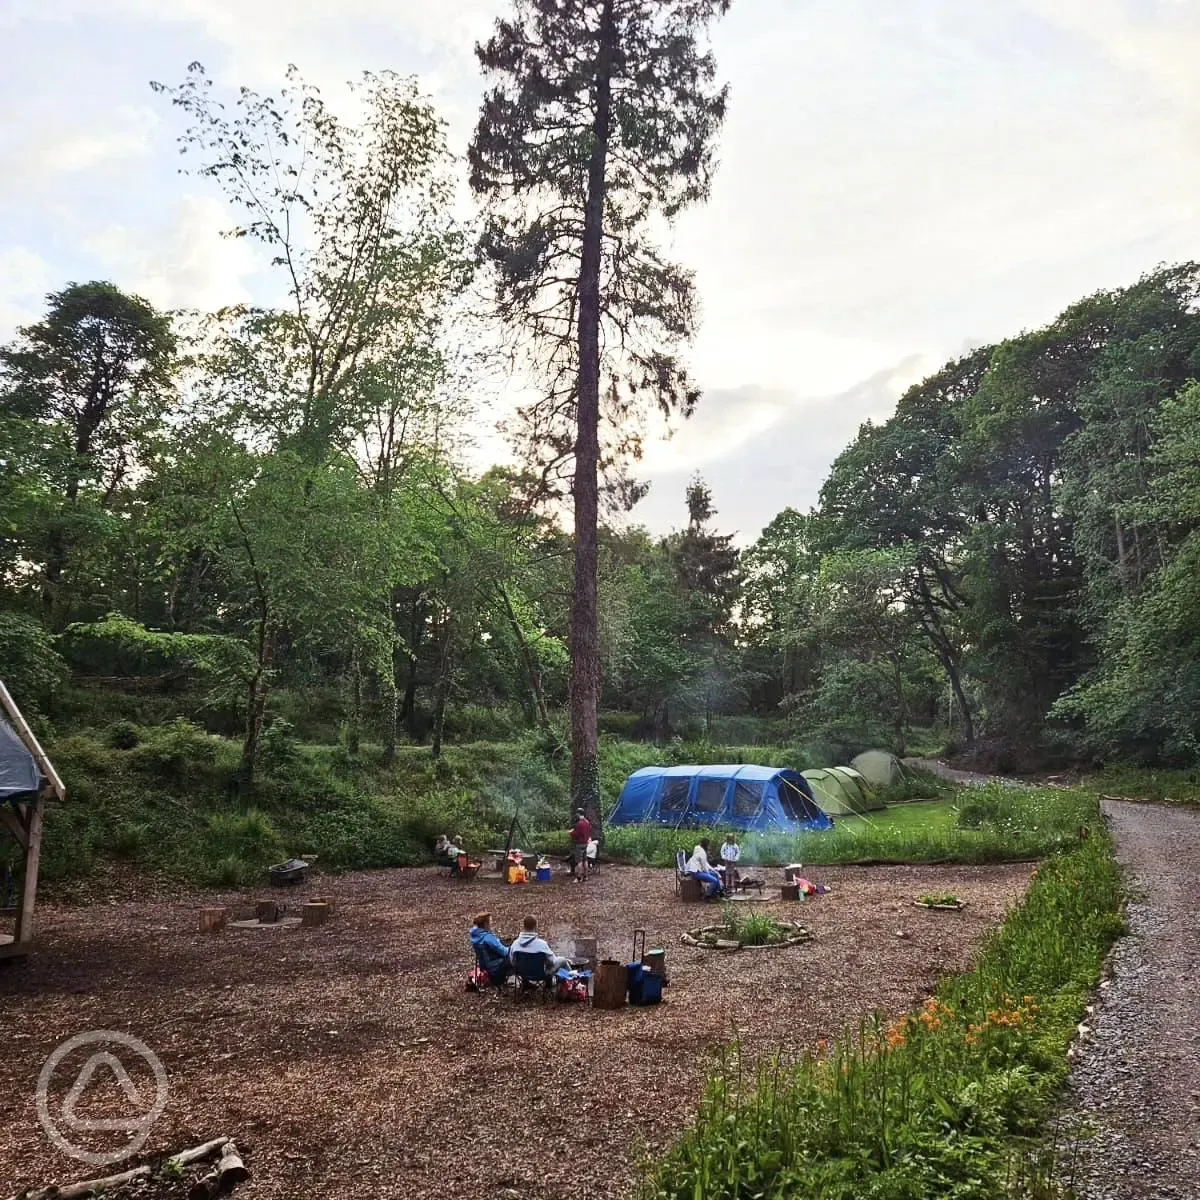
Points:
x=27 y=780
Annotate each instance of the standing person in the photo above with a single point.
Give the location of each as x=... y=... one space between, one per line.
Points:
x=700 y=868
x=731 y=854
x=580 y=836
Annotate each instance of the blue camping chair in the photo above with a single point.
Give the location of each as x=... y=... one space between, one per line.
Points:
x=498 y=977
x=533 y=974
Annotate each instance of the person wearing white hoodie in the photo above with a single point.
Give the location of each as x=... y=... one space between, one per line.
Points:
x=528 y=942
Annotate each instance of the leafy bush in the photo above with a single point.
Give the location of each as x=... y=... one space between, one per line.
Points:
x=175 y=751
x=30 y=667
x=123 y=735
x=930 y=1105
x=250 y=838
x=278 y=747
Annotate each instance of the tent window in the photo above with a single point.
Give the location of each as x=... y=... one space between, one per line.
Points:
x=710 y=795
x=794 y=801
x=675 y=795
x=747 y=800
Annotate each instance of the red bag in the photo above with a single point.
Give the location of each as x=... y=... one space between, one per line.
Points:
x=478 y=980
x=572 y=989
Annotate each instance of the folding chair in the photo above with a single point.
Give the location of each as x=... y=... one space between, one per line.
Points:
x=487 y=969
x=464 y=868
x=533 y=974
x=680 y=870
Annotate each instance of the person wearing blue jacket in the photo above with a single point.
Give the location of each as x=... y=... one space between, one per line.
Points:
x=490 y=952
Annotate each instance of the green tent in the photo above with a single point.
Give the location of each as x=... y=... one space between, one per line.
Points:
x=841 y=790
x=878 y=767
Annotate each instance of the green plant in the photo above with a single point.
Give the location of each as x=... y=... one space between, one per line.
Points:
x=123 y=735
x=932 y=1104
x=933 y=899
x=760 y=929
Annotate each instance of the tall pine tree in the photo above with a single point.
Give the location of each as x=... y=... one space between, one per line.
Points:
x=601 y=116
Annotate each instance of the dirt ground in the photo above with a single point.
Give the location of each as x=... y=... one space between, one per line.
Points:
x=348 y=1061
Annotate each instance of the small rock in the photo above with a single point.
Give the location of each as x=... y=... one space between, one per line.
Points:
x=901 y=934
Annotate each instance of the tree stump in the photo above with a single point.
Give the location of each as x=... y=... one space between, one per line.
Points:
x=329 y=900
x=691 y=891
x=790 y=891
x=267 y=911
x=611 y=984
x=315 y=912
x=213 y=920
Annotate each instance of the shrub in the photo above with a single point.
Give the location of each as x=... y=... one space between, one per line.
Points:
x=278 y=747
x=250 y=837
x=175 y=751
x=30 y=666
x=129 y=839
x=123 y=735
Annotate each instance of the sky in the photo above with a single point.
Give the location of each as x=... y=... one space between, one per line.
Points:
x=898 y=183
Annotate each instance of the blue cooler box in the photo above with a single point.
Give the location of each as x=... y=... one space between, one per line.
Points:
x=644 y=986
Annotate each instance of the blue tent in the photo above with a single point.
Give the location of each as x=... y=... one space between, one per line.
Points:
x=738 y=797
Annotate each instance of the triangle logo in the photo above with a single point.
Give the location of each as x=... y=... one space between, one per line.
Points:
x=115 y=1068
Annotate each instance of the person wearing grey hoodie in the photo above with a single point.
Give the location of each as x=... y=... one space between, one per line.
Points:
x=528 y=942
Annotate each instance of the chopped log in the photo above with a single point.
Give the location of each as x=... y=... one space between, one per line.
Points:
x=267 y=911
x=611 y=984
x=691 y=891
x=790 y=891
x=92 y=1187
x=225 y=1176
x=330 y=900
x=315 y=912
x=213 y=920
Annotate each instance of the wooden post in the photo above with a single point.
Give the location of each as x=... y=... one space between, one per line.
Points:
x=315 y=912
x=33 y=854
x=267 y=912
x=790 y=891
x=691 y=890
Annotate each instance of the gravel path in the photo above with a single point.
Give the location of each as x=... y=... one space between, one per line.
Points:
x=1137 y=1080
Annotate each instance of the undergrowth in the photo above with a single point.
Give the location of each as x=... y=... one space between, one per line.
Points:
x=945 y=1102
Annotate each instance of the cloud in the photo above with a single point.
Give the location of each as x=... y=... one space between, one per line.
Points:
x=27 y=278
x=784 y=462
x=183 y=261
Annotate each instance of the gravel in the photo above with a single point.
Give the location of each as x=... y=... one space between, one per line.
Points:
x=1135 y=1089
x=348 y=1061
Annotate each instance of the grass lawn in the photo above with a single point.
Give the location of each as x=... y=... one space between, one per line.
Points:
x=933 y=816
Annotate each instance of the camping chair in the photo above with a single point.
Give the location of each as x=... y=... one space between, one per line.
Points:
x=680 y=870
x=463 y=867
x=498 y=984
x=533 y=974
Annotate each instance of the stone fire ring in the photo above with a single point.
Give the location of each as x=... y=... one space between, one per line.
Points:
x=694 y=937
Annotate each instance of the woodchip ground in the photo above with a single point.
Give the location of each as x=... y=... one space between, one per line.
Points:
x=349 y=1061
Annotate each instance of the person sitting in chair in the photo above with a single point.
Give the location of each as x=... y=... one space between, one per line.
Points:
x=528 y=942
x=731 y=854
x=700 y=868
x=490 y=952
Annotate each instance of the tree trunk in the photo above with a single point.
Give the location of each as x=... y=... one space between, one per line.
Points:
x=354 y=733
x=585 y=634
x=416 y=629
x=529 y=658
x=441 y=688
